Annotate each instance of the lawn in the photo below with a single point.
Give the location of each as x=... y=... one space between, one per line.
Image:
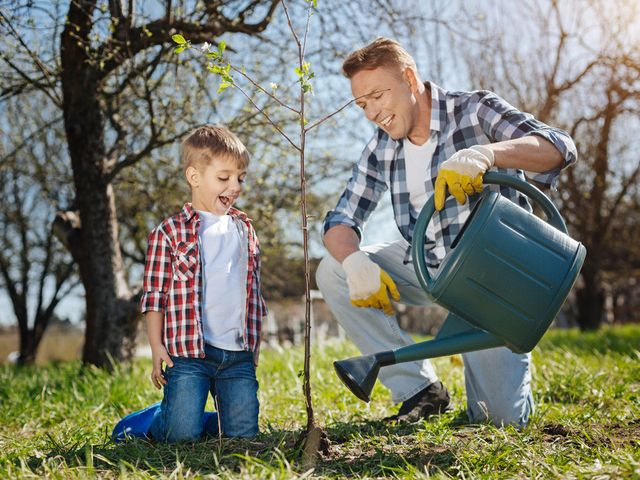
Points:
x=56 y=422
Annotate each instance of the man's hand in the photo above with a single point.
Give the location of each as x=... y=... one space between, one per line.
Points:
x=462 y=174
x=368 y=283
x=158 y=355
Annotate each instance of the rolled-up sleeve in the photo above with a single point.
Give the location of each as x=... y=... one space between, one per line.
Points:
x=361 y=195
x=157 y=273
x=501 y=121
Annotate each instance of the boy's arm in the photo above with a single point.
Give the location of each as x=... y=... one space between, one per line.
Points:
x=158 y=351
x=155 y=283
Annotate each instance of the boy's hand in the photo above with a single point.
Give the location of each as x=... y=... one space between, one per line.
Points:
x=158 y=356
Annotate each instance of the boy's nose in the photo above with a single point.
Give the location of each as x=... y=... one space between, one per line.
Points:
x=235 y=185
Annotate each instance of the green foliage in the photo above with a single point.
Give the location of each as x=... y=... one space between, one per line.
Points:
x=182 y=43
x=56 y=422
x=305 y=74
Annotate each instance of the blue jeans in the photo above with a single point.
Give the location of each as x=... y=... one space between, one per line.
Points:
x=497 y=381
x=230 y=376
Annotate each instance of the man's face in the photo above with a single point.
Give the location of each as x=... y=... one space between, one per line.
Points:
x=385 y=94
x=216 y=186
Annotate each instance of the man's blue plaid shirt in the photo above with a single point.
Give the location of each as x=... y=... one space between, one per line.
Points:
x=458 y=120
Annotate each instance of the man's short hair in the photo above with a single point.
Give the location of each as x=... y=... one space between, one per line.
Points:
x=204 y=144
x=382 y=52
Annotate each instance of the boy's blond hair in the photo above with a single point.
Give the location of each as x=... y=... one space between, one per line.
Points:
x=212 y=142
x=382 y=52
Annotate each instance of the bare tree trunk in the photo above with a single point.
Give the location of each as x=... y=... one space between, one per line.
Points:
x=110 y=316
x=590 y=300
x=30 y=339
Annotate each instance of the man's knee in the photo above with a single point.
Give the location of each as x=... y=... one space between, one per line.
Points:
x=327 y=273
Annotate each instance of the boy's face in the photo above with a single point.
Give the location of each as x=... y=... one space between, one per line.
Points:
x=216 y=186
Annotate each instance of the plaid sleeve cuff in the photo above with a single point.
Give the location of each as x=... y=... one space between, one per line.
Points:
x=567 y=149
x=335 y=218
x=152 y=302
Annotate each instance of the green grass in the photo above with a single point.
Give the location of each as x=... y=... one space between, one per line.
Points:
x=56 y=420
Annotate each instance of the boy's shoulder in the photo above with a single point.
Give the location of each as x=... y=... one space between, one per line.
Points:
x=176 y=222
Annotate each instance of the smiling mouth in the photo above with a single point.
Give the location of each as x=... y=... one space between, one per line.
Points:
x=386 y=121
x=226 y=201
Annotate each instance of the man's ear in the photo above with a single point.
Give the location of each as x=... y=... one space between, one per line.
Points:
x=410 y=76
x=193 y=176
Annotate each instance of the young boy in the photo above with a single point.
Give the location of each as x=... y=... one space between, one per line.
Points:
x=202 y=299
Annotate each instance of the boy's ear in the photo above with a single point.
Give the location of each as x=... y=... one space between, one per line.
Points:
x=193 y=176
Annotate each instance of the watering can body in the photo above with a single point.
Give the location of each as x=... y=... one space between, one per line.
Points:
x=503 y=281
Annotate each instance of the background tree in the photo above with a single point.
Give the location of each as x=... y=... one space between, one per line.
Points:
x=575 y=65
x=35 y=269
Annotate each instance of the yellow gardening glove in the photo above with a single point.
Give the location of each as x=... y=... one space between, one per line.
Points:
x=369 y=285
x=462 y=174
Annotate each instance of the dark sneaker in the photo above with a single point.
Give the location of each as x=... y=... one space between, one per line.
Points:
x=432 y=400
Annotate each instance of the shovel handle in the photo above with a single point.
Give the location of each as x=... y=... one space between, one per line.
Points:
x=417 y=250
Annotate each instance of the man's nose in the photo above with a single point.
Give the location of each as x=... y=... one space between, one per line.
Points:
x=372 y=112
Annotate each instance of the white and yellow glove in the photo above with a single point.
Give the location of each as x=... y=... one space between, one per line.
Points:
x=462 y=174
x=369 y=285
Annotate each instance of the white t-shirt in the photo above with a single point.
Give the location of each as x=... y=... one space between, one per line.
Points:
x=417 y=160
x=224 y=285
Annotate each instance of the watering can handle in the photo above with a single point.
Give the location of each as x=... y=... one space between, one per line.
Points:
x=553 y=218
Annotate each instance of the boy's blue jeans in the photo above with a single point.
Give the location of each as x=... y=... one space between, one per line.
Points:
x=230 y=376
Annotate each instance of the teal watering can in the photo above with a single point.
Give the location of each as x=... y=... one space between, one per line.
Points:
x=503 y=281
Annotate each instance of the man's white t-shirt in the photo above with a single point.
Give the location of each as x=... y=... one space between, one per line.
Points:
x=417 y=160
x=224 y=285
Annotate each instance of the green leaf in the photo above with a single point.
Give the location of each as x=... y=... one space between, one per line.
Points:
x=223 y=86
x=221 y=46
x=180 y=49
x=179 y=39
x=213 y=55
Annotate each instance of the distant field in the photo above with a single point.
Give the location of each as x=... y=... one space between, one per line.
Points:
x=56 y=421
x=57 y=344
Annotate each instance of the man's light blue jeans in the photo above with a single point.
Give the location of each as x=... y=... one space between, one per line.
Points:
x=497 y=381
x=230 y=376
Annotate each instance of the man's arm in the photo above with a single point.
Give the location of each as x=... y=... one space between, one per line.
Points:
x=341 y=241
x=531 y=153
x=518 y=141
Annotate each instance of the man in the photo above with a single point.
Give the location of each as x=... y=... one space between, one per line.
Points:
x=428 y=142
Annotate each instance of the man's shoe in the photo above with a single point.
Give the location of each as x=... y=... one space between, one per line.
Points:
x=432 y=400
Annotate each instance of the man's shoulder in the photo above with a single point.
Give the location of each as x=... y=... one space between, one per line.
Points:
x=461 y=97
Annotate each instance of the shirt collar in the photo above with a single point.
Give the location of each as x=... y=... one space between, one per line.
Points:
x=438 y=107
x=188 y=213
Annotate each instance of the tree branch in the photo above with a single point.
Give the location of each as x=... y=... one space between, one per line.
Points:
x=158 y=32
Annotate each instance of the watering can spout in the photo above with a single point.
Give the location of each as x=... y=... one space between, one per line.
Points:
x=359 y=374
